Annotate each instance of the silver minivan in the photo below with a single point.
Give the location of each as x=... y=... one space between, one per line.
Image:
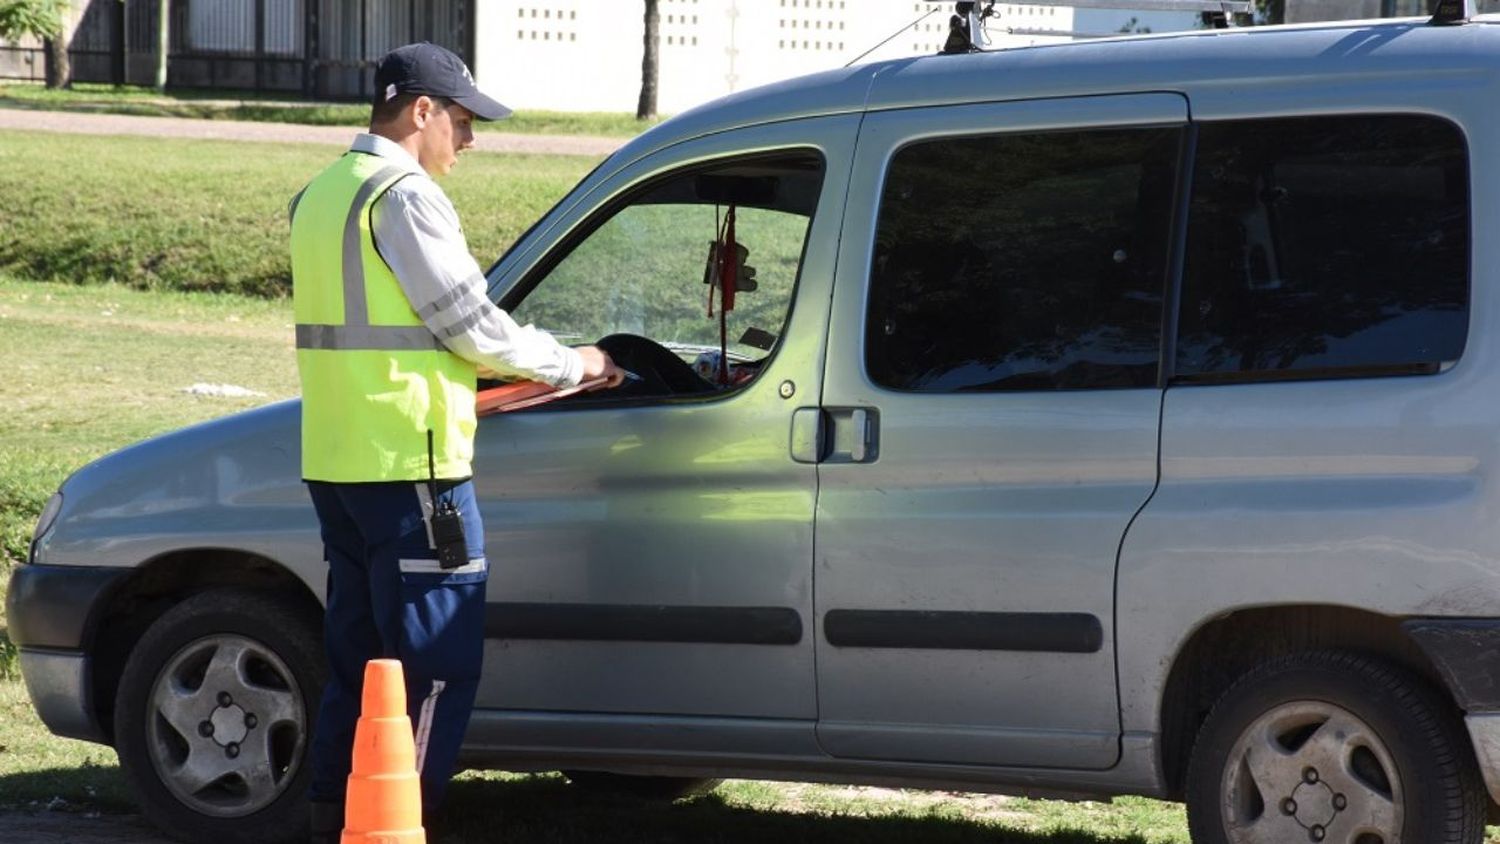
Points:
x=1105 y=418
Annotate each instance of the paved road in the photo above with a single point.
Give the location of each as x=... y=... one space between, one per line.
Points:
x=235 y=130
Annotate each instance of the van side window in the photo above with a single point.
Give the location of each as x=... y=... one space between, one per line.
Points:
x=1325 y=247
x=1022 y=262
x=635 y=278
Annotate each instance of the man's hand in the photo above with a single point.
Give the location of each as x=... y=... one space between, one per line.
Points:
x=597 y=363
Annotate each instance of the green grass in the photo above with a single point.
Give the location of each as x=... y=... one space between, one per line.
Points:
x=36 y=766
x=232 y=105
x=547 y=809
x=154 y=213
x=93 y=369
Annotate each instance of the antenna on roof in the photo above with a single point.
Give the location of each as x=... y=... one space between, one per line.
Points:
x=889 y=38
x=1451 y=12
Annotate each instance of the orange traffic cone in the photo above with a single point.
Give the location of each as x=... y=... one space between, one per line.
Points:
x=384 y=802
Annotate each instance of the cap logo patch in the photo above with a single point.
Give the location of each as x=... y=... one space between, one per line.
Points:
x=390 y=92
x=467 y=75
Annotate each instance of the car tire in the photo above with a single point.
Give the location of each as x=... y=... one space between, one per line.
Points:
x=1333 y=746
x=641 y=787
x=214 y=715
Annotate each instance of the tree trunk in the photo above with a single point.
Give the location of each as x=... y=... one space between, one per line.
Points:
x=164 y=15
x=650 y=64
x=57 y=71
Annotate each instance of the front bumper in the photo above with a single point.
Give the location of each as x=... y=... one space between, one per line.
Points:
x=58 y=682
x=58 y=606
x=51 y=612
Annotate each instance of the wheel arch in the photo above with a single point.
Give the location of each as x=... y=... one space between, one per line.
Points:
x=1223 y=648
x=155 y=586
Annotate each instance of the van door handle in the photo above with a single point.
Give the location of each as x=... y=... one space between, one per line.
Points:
x=809 y=434
x=855 y=434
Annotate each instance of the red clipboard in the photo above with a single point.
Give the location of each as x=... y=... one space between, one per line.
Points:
x=523 y=394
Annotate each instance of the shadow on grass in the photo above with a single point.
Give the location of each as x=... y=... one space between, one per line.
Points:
x=550 y=811
x=86 y=788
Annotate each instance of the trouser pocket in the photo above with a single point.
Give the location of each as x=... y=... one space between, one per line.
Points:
x=443 y=618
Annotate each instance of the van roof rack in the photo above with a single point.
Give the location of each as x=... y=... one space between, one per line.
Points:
x=966 y=28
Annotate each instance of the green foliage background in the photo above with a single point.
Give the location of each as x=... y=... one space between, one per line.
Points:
x=39 y=18
x=164 y=214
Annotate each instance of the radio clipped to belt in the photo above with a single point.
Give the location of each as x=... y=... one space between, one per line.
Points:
x=447 y=523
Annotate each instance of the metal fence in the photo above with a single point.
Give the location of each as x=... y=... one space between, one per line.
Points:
x=323 y=49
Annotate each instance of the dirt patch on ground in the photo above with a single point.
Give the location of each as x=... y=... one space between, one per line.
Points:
x=68 y=828
x=238 y=130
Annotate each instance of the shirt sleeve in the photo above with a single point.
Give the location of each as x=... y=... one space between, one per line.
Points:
x=418 y=235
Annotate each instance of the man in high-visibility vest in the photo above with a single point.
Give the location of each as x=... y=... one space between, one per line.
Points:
x=393 y=322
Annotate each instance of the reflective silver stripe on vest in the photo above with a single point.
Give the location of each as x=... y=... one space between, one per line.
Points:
x=384 y=338
x=356 y=310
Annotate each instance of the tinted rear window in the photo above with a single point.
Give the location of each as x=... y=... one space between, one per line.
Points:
x=1022 y=262
x=1325 y=247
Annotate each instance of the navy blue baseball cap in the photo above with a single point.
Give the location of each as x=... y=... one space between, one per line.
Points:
x=426 y=68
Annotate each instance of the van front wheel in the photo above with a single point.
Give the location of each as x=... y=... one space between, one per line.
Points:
x=1334 y=747
x=214 y=715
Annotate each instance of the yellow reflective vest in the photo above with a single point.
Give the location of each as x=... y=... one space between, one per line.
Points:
x=374 y=379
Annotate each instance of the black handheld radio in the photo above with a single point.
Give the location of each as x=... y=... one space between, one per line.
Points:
x=447 y=523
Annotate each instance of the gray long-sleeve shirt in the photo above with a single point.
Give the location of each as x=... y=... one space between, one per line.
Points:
x=418 y=234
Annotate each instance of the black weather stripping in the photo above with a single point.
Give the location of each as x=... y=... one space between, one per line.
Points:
x=1052 y=632
x=643 y=623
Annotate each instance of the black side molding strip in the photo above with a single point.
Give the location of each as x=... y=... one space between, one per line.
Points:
x=1061 y=632
x=643 y=623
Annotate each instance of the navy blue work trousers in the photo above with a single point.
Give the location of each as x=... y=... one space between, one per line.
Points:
x=389 y=598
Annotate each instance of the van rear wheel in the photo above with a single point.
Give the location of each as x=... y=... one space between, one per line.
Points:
x=1333 y=747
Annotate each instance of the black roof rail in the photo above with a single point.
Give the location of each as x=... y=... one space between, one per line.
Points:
x=966 y=26
x=1452 y=12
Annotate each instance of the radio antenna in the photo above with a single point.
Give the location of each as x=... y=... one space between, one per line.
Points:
x=892 y=36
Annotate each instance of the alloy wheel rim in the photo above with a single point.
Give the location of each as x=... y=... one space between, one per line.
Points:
x=1311 y=771
x=226 y=725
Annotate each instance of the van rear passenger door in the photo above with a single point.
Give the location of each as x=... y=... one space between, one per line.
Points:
x=989 y=426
